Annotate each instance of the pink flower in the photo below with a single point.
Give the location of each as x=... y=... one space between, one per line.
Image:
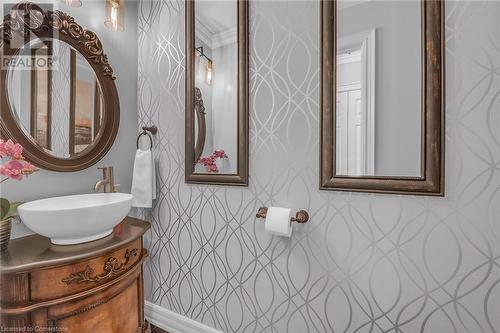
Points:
x=206 y=161
x=11 y=149
x=12 y=169
x=28 y=168
x=3 y=149
x=219 y=154
x=213 y=168
x=16 y=167
x=209 y=161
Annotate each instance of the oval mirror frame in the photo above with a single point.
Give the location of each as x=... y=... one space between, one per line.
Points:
x=30 y=21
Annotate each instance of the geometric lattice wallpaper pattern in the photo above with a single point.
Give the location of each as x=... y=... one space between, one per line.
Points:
x=364 y=262
x=61 y=81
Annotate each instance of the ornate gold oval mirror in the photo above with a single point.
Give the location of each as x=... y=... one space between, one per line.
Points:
x=58 y=96
x=217 y=92
x=382 y=119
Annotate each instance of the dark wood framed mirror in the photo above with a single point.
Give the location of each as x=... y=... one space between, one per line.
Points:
x=382 y=97
x=58 y=95
x=217 y=92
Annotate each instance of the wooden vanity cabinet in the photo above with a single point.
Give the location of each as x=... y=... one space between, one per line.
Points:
x=91 y=287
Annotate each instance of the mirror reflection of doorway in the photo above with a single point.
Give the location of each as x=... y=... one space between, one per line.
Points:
x=355 y=141
x=351 y=131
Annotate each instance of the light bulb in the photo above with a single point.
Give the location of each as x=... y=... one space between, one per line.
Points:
x=114 y=15
x=73 y=3
x=208 y=78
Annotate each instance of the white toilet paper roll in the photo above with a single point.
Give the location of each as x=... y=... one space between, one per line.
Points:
x=278 y=221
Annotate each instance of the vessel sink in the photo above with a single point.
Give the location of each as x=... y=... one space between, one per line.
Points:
x=77 y=218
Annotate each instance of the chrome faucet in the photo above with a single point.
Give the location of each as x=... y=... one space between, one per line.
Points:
x=107 y=181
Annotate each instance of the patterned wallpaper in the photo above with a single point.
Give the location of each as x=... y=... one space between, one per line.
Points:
x=61 y=81
x=365 y=262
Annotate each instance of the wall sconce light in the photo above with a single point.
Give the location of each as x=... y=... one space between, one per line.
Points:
x=73 y=3
x=208 y=76
x=208 y=72
x=114 y=15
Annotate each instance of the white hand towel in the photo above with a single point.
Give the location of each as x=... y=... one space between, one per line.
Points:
x=144 y=179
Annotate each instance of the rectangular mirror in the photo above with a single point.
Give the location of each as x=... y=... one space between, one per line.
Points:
x=382 y=96
x=217 y=92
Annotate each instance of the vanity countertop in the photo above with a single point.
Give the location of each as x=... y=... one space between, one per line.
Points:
x=35 y=251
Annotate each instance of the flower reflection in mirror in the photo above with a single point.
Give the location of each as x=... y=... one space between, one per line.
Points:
x=209 y=161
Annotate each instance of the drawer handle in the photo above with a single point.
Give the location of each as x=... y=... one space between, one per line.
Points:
x=111 y=268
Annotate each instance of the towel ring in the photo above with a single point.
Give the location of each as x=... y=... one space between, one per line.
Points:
x=145 y=131
x=150 y=139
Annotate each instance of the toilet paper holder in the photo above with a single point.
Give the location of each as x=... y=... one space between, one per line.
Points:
x=300 y=217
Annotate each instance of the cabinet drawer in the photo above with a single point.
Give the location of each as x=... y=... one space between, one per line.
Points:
x=114 y=310
x=61 y=281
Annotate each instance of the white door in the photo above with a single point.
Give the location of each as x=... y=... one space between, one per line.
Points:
x=356 y=130
x=351 y=129
x=342 y=138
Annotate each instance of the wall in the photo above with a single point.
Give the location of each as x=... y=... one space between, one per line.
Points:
x=219 y=99
x=121 y=50
x=206 y=92
x=364 y=262
x=225 y=104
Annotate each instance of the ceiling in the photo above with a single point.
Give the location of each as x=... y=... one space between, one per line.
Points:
x=216 y=16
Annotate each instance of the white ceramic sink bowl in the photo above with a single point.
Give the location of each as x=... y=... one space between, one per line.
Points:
x=77 y=218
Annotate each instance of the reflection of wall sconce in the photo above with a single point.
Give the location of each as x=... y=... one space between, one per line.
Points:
x=208 y=77
x=208 y=73
x=73 y=3
x=114 y=15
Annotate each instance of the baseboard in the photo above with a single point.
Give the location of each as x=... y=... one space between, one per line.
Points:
x=173 y=322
